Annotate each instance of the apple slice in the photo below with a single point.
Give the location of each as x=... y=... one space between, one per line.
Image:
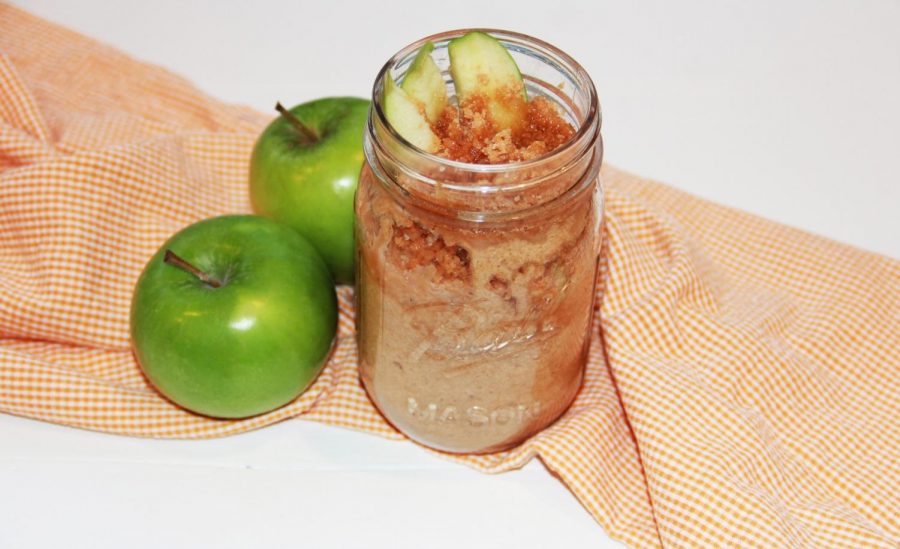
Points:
x=424 y=83
x=407 y=116
x=480 y=65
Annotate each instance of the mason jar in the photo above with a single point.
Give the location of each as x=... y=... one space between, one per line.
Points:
x=476 y=282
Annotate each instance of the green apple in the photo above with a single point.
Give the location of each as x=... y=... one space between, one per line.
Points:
x=407 y=117
x=479 y=64
x=304 y=171
x=234 y=316
x=424 y=83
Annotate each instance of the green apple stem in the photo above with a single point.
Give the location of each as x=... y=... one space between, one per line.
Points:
x=309 y=136
x=173 y=259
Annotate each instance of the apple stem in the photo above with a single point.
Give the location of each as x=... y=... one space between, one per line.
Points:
x=308 y=134
x=173 y=259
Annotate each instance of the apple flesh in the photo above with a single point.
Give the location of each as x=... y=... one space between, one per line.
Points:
x=233 y=316
x=423 y=82
x=480 y=65
x=304 y=171
x=407 y=117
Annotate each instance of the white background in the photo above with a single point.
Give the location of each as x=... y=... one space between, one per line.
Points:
x=787 y=109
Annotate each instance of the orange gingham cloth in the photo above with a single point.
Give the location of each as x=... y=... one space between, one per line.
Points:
x=743 y=386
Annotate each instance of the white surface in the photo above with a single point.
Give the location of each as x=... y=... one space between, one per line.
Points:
x=295 y=484
x=789 y=110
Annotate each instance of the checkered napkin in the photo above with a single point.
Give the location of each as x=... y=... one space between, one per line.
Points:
x=744 y=379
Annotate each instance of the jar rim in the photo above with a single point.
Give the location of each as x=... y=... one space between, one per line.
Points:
x=488 y=217
x=592 y=117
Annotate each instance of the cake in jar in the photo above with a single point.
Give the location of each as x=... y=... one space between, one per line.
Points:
x=478 y=215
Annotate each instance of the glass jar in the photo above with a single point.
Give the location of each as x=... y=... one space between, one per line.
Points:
x=475 y=283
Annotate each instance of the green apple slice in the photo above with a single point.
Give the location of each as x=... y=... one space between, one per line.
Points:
x=407 y=116
x=424 y=83
x=480 y=65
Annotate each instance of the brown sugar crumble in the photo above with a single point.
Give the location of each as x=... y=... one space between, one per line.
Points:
x=468 y=134
x=416 y=246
